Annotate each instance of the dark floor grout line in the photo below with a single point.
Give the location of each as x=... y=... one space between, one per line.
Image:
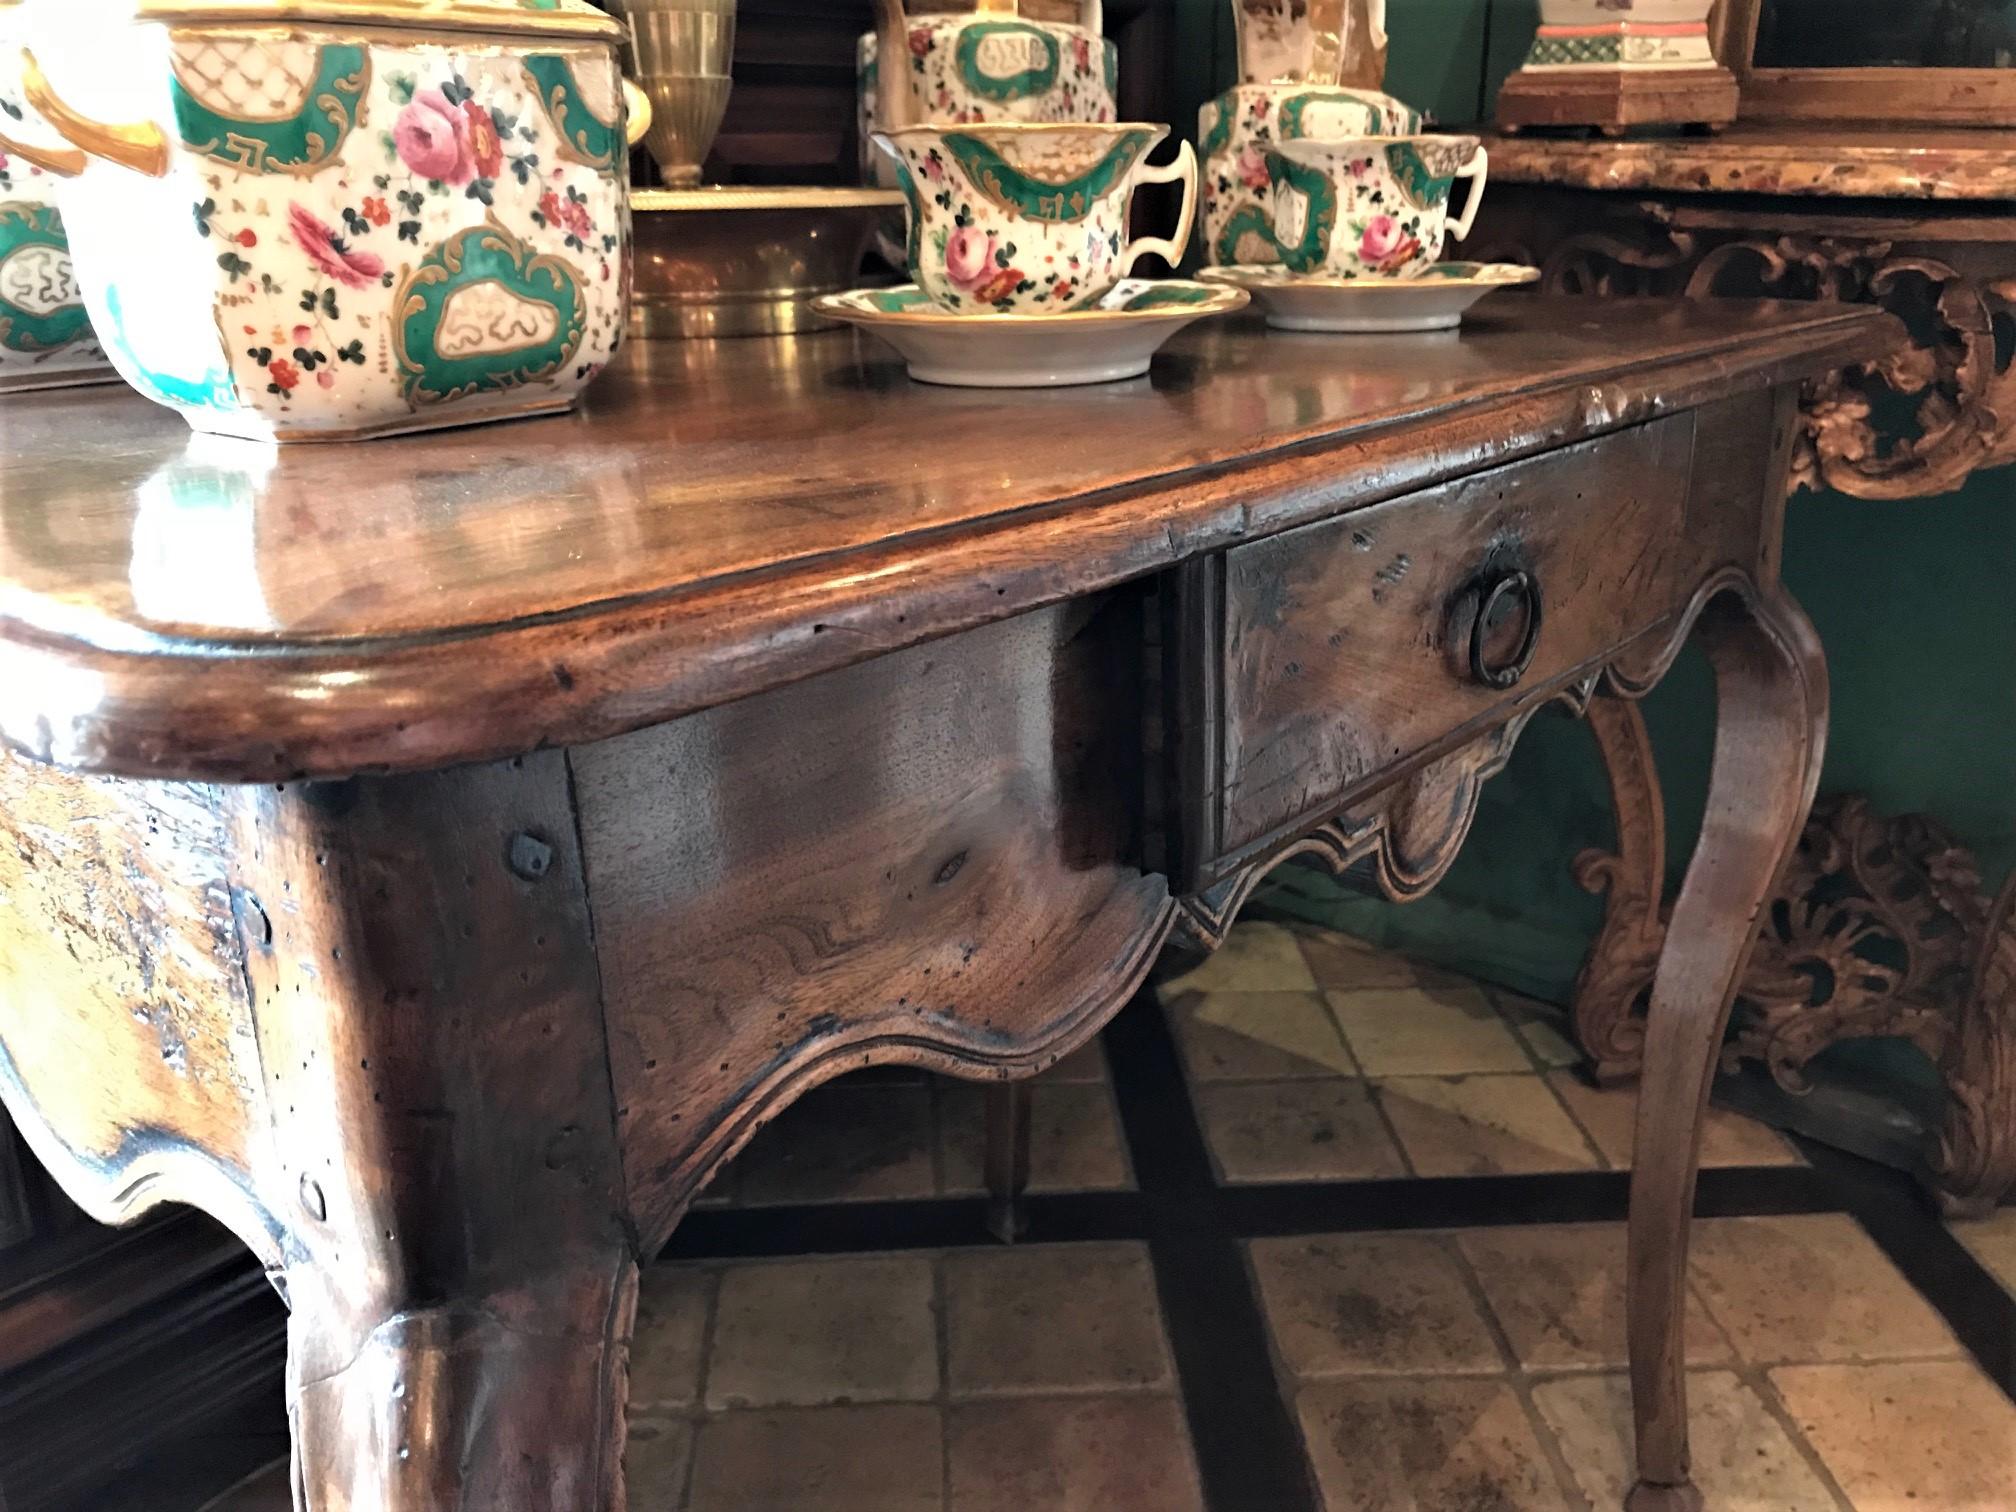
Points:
x=1257 y=1210
x=942 y=1339
x=1248 y=1448
x=923 y=1223
x=1758 y=1378
x=1895 y=1212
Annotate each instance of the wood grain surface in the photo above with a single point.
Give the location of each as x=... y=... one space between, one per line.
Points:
x=932 y=860
x=728 y=517
x=1348 y=642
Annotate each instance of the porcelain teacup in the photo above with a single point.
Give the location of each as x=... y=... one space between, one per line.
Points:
x=1372 y=207
x=1023 y=219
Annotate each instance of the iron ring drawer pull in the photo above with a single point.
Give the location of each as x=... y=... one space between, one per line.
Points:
x=1512 y=589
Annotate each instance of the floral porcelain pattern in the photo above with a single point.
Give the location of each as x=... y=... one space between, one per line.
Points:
x=380 y=237
x=964 y=71
x=1236 y=131
x=1358 y=209
x=45 y=335
x=1017 y=220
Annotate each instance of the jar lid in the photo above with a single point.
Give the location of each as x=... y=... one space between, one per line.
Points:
x=530 y=18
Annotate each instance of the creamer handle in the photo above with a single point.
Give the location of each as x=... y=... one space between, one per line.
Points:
x=143 y=146
x=62 y=162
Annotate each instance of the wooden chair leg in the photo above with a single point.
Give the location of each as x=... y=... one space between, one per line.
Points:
x=1771 y=686
x=1007 y=1159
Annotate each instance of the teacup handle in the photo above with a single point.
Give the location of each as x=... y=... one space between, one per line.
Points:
x=1184 y=169
x=1478 y=171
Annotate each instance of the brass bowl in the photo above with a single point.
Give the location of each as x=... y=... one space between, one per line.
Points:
x=747 y=261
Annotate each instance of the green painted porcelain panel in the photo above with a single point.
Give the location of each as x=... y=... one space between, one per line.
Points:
x=1306 y=254
x=1166 y=297
x=1424 y=187
x=587 y=138
x=482 y=313
x=39 y=307
x=1036 y=79
x=325 y=108
x=1068 y=200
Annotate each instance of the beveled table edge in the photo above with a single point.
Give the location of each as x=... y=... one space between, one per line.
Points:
x=189 y=709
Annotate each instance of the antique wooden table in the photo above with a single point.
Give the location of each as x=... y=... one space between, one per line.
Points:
x=434 y=858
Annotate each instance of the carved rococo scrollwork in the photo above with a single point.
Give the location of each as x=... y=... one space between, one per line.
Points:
x=1953 y=378
x=1879 y=930
x=1409 y=834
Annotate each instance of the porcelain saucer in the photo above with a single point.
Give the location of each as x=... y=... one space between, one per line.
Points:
x=1432 y=300
x=1117 y=338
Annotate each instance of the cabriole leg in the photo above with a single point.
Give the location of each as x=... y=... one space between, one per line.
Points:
x=1771 y=686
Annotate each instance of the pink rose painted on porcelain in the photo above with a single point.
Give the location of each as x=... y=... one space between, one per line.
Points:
x=1252 y=167
x=432 y=138
x=1382 y=235
x=1386 y=244
x=330 y=254
x=969 y=257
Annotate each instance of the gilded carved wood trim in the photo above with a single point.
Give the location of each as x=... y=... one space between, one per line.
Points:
x=1880 y=930
x=1954 y=374
x=1915 y=422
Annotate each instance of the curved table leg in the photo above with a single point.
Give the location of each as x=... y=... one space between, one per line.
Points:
x=1771 y=685
x=1622 y=960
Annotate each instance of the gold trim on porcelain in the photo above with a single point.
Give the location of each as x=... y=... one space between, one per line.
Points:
x=760 y=197
x=1499 y=276
x=1028 y=128
x=1224 y=302
x=140 y=145
x=436 y=15
x=61 y=162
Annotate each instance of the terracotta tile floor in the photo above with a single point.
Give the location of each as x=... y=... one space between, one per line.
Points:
x=1412 y=1366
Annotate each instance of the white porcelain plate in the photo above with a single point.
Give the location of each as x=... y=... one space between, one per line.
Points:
x=1434 y=299
x=1117 y=338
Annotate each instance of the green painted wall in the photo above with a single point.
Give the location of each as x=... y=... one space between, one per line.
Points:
x=1913 y=601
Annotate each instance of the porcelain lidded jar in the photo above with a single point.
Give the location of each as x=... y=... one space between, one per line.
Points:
x=323 y=219
x=45 y=336
x=995 y=62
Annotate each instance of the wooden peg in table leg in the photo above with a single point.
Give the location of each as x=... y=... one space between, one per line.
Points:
x=1007 y=1159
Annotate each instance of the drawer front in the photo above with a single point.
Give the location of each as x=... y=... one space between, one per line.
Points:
x=1353 y=645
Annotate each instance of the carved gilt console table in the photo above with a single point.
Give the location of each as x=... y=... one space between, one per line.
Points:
x=434 y=859
x=1922 y=222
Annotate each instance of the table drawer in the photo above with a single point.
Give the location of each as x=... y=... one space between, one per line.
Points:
x=1353 y=645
